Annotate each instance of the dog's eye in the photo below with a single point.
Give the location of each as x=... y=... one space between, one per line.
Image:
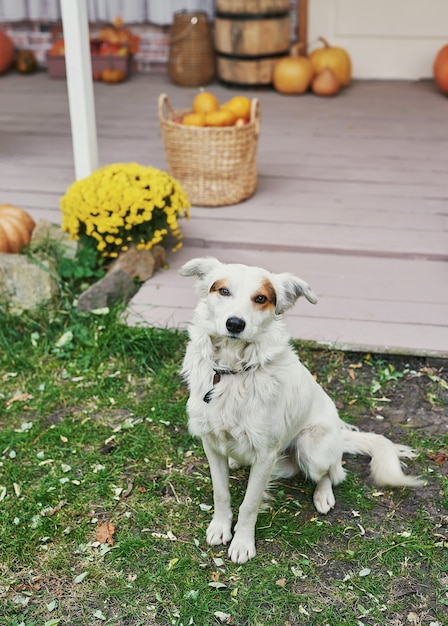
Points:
x=260 y=299
x=224 y=291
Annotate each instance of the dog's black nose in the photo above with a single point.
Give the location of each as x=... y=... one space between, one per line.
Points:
x=235 y=325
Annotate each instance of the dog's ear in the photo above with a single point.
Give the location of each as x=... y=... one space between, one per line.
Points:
x=289 y=288
x=199 y=267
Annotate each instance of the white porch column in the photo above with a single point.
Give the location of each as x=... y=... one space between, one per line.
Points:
x=80 y=86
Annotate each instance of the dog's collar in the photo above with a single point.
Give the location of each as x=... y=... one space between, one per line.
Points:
x=218 y=373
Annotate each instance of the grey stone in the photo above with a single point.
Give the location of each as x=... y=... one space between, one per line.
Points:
x=114 y=287
x=140 y=264
x=123 y=279
x=25 y=285
x=47 y=235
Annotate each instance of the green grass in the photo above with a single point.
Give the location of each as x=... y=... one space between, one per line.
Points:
x=93 y=429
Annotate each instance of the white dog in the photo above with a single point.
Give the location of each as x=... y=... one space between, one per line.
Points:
x=252 y=401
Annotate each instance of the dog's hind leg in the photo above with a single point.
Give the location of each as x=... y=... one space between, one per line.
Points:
x=323 y=496
x=319 y=456
x=220 y=528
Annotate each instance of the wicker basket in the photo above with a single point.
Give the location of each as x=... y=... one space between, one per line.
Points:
x=215 y=166
x=191 y=59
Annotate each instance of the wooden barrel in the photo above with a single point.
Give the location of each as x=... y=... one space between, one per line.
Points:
x=250 y=37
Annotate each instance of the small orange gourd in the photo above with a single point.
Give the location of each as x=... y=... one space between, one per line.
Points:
x=325 y=83
x=293 y=74
x=223 y=117
x=205 y=102
x=16 y=227
x=440 y=69
x=194 y=119
x=240 y=106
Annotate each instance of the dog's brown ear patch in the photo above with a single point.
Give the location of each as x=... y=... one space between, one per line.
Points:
x=217 y=285
x=266 y=297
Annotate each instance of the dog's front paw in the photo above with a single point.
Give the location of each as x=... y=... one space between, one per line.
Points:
x=324 y=499
x=219 y=532
x=242 y=550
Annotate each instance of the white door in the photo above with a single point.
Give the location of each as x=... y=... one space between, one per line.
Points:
x=385 y=38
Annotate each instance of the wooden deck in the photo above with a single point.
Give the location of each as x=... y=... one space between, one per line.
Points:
x=352 y=196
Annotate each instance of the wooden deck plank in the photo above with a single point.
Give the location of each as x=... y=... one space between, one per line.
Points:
x=340 y=334
x=387 y=303
x=304 y=236
x=352 y=196
x=334 y=307
x=308 y=212
x=336 y=276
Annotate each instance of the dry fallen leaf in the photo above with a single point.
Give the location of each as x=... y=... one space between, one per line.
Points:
x=55 y=509
x=21 y=397
x=128 y=490
x=440 y=457
x=105 y=532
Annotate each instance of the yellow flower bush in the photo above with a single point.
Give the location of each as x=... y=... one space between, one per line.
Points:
x=125 y=204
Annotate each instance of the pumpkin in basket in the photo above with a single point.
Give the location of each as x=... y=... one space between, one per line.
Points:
x=6 y=52
x=240 y=106
x=26 y=62
x=16 y=227
x=193 y=119
x=205 y=102
x=222 y=117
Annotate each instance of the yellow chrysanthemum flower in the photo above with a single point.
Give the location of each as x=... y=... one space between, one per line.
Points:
x=123 y=204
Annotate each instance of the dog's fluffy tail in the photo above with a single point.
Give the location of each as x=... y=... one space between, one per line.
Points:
x=385 y=464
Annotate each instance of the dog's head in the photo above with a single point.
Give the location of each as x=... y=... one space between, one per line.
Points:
x=241 y=300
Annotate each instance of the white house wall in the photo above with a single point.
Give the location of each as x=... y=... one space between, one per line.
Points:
x=389 y=39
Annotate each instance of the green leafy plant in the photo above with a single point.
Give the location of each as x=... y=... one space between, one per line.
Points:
x=85 y=265
x=386 y=373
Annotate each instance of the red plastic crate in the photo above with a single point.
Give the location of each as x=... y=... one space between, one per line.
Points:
x=56 y=64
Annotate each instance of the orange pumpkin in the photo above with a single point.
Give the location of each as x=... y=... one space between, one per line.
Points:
x=293 y=74
x=440 y=69
x=16 y=227
x=113 y=75
x=6 y=52
x=335 y=58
